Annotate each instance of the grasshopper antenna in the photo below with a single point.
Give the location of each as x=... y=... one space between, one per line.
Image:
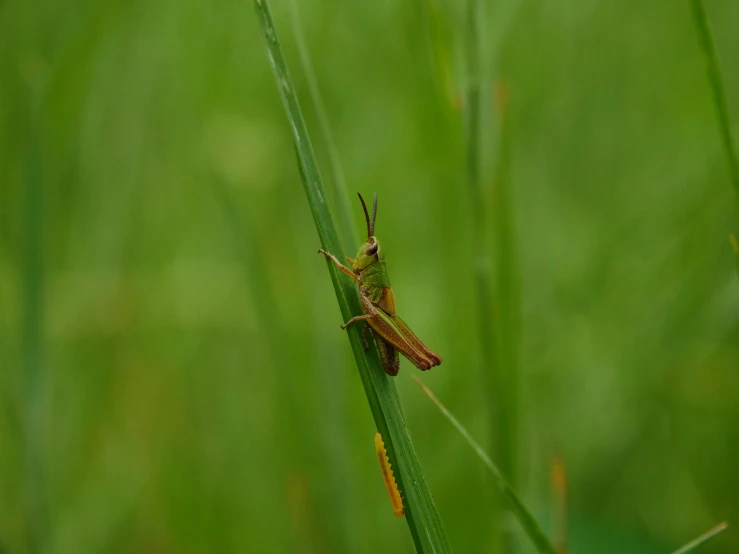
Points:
x=366 y=215
x=374 y=215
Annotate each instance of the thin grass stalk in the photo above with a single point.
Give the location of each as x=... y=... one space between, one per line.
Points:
x=32 y=333
x=477 y=200
x=492 y=361
x=335 y=431
x=440 y=53
x=482 y=263
x=337 y=183
x=261 y=292
x=715 y=79
x=506 y=296
x=705 y=537
x=424 y=522
x=528 y=523
x=260 y=287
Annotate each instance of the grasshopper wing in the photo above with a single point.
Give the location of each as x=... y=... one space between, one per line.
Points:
x=411 y=337
x=386 y=328
x=397 y=334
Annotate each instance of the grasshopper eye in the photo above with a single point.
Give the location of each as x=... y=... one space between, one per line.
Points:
x=372 y=249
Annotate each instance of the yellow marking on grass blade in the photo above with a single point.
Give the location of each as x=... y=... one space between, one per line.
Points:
x=387 y=475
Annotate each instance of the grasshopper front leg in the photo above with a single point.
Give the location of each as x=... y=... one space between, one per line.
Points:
x=354 y=276
x=341 y=266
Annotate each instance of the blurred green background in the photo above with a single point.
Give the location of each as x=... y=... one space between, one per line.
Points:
x=173 y=374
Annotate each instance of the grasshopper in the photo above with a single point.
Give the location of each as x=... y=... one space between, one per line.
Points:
x=391 y=333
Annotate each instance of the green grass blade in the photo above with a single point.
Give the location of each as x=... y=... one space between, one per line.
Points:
x=708 y=535
x=719 y=94
x=438 y=34
x=290 y=424
x=33 y=347
x=496 y=299
x=717 y=86
x=522 y=514
x=341 y=491
x=337 y=182
x=478 y=206
x=506 y=300
x=424 y=521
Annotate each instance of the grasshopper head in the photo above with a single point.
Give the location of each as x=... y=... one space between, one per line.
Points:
x=370 y=252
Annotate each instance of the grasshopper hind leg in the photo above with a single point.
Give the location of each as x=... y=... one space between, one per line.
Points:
x=364 y=336
x=389 y=356
x=355 y=319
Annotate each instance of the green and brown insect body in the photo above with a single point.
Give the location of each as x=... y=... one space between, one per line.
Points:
x=391 y=333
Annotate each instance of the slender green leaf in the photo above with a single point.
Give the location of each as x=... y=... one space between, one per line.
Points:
x=480 y=214
x=33 y=343
x=719 y=97
x=424 y=521
x=522 y=514
x=439 y=42
x=338 y=183
x=708 y=535
x=506 y=299
x=496 y=300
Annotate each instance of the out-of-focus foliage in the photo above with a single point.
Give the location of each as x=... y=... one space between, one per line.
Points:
x=195 y=391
